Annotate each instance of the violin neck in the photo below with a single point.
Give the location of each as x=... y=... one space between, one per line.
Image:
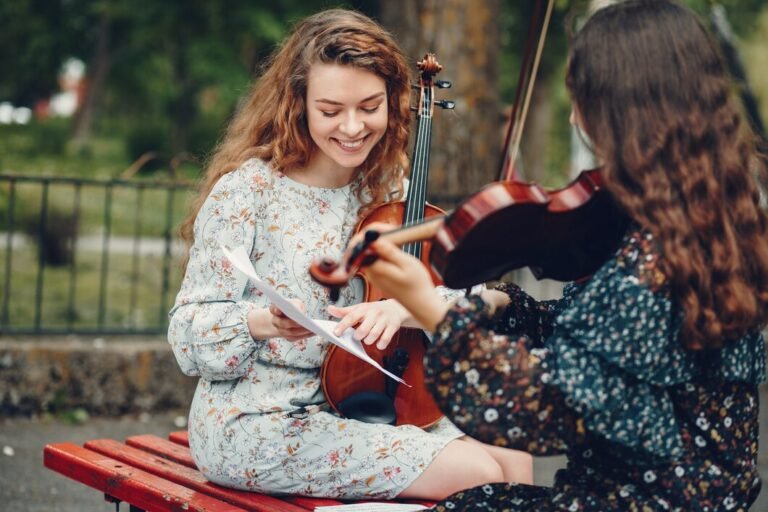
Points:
x=414 y=234
x=417 y=188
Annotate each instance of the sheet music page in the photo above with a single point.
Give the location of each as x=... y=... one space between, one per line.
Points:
x=324 y=328
x=372 y=507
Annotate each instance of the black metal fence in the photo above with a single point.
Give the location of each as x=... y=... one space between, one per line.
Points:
x=88 y=256
x=92 y=256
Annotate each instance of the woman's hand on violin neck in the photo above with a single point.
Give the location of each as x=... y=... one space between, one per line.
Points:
x=497 y=299
x=374 y=322
x=271 y=322
x=407 y=280
x=380 y=227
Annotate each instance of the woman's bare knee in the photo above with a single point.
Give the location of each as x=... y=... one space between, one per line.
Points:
x=516 y=465
x=460 y=465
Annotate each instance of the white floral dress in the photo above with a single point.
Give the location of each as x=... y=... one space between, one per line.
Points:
x=241 y=432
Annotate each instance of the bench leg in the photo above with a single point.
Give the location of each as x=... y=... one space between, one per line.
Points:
x=131 y=508
x=111 y=499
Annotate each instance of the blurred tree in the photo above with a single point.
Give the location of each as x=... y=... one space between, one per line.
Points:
x=185 y=62
x=480 y=45
x=166 y=75
x=100 y=17
x=464 y=36
x=34 y=42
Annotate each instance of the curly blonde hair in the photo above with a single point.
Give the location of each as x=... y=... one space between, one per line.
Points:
x=654 y=97
x=271 y=122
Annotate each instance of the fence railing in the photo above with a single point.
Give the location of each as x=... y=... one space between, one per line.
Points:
x=91 y=256
x=88 y=256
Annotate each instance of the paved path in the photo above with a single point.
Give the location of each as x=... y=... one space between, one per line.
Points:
x=27 y=486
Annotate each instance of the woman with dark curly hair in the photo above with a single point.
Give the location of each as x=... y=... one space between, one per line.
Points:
x=320 y=138
x=645 y=374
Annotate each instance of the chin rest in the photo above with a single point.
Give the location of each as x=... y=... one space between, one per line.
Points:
x=369 y=407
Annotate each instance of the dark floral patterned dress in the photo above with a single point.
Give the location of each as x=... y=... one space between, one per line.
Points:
x=601 y=377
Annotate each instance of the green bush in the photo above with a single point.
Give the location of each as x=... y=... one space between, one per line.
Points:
x=49 y=137
x=202 y=137
x=146 y=138
x=57 y=236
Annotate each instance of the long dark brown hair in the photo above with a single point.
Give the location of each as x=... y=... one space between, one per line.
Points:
x=653 y=95
x=271 y=122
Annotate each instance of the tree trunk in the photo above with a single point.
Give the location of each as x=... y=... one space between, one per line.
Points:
x=184 y=108
x=98 y=69
x=464 y=35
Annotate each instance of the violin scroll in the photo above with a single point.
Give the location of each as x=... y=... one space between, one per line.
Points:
x=429 y=67
x=333 y=275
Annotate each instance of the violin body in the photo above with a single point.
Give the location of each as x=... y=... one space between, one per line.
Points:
x=343 y=374
x=564 y=235
x=353 y=387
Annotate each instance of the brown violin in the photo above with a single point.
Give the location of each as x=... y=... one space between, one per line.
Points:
x=565 y=234
x=353 y=387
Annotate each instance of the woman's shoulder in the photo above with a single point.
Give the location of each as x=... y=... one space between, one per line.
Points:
x=640 y=256
x=626 y=315
x=253 y=174
x=253 y=168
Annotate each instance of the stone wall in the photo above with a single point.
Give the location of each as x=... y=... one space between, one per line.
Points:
x=103 y=376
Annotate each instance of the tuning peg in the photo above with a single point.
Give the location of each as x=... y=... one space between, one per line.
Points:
x=443 y=84
x=446 y=104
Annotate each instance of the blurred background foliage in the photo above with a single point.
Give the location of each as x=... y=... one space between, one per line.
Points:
x=163 y=77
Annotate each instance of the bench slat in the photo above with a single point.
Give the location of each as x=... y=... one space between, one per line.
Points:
x=164 y=448
x=181 y=455
x=188 y=477
x=310 y=503
x=128 y=484
x=180 y=437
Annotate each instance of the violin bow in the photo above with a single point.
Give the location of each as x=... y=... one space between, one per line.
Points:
x=528 y=71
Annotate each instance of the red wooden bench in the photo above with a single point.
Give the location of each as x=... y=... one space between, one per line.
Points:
x=155 y=474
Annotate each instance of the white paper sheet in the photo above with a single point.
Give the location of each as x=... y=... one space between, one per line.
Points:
x=372 y=507
x=324 y=328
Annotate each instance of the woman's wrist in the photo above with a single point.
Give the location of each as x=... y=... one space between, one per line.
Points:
x=259 y=324
x=429 y=311
x=405 y=316
x=498 y=300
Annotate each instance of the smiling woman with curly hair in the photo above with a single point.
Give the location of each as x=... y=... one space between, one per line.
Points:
x=320 y=139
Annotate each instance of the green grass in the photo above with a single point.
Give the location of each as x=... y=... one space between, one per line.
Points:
x=130 y=302
x=134 y=298
x=44 y=149
x=129 y=211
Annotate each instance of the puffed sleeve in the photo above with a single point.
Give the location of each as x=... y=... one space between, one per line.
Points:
x=494 y=386
x=208 y=329
x=525 y=315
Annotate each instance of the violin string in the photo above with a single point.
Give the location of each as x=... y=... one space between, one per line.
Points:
x=419 y=163
x=411 y=199
x=416 y=207
x=425 y=166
